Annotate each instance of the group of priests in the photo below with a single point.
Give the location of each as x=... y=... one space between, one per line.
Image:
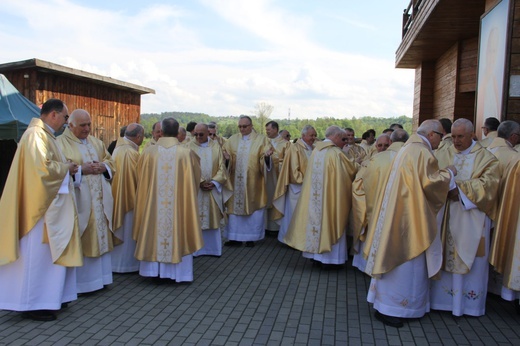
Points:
x=424 y=215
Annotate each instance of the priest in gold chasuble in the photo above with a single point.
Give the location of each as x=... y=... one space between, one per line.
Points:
x=503 y=240
x=214 y=189
x=466 y=223
x=166 y=216
x=404 y=250
x=280 y=146
x=94 y=200
x=250 y=159
x=124 y=186
x=505 y=249
x=320 y=219
x=367 y=190
x=39 y=238
x=290 y=179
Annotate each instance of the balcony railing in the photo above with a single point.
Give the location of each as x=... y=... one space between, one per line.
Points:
x=410 y=13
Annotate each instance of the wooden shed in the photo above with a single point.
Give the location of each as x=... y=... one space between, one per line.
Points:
x=461 y=70
x=111 y=103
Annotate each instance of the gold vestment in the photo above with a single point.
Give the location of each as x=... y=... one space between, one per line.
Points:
x=213 y=168
x=462 y=245
x=166 y=215
x=94 y=196
x=321 y=214
x=124 y=184
x=505 y=247
x=31 y=189
x=247 y=173
x=415 y=190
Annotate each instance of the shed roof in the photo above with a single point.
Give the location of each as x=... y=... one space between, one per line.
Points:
x=46 y=66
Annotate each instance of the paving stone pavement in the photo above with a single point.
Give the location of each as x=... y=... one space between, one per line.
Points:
x=266 y=295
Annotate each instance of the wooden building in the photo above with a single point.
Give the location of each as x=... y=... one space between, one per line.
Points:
x=110 y=102
x=466 y=56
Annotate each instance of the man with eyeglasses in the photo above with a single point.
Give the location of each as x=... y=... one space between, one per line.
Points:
x=465 y=225
x=318 y=226
x=36 y=276
x=250 y=156
x=214 y=190
x=212 y=129
x=93 y=198
x=403 y=251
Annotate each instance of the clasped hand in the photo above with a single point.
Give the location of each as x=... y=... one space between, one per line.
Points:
x=93 y=167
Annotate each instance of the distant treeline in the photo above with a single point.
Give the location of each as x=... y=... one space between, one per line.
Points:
x=227 y=126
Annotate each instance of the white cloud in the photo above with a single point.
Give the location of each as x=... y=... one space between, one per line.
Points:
x=158 y=47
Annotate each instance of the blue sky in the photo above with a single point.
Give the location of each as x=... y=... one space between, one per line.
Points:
x=222 y=57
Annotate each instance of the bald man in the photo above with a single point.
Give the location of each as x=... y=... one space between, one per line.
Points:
x=93 y=198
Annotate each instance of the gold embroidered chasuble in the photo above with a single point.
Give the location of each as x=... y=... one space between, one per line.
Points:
x=247 y=171
x=321 y=214
x=485 y=142
x=124 y=184
x=355 y=152
x=292 y=172
x=166 y=215
x=31 y=192
x=93 y=194
x=368 y=189
x=505 y=247
x=406 y=225
x=213 y=169
x=463 y=230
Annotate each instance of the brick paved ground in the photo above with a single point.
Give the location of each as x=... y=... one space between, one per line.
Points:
x=266 y=295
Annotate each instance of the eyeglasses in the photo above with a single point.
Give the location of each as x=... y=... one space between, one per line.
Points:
x=243 y=126
x=439 y=133
x=212 y=134
x=198 y=134
x=344 y=139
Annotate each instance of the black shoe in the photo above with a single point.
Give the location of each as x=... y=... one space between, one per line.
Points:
x=232 y=243
x=271 y=234
x=250 y=244
x=40 y=315
x=517 y=306
x=389 y=320
x=65 y=305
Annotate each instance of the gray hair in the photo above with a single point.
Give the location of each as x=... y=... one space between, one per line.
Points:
x=508 y=128
x=428 y=126
x=75 y=114
x=306 y=129
x=333 y=131
x=399 y=135
x=383 y=136
x=133 y=130
x=462 y=122
x=246 y=117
